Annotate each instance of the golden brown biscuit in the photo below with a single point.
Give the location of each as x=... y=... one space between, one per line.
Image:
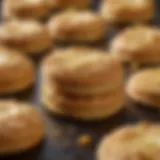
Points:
x=137 y=44
x=16 y=70
x=76 y=4
x=144 y=87
x=137 y=142
x=124 y=11
x=21 y=126
x=26 y=9
x=28 y=36
x=94 y=107
x=74 y=83
x=81 y=70
x=77 y=26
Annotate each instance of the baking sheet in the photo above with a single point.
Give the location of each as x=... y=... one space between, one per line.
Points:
x=61 y=141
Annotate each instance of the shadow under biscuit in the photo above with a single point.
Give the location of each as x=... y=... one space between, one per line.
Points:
x=101 y=44
x=70 y=130
x=144 y=111
x=105 y=123
x=37 y=58
x=25 y=94
x=31 y=154
x=129 y=69
x=52 y=12
x=121 y=26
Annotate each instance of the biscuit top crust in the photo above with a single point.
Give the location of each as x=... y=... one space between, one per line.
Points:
x=83 y=63
x=128 y=3
x=10 y=58
x=116 y=5
x=136 y=42
x=17 y=120
x=73 y=22
x=146 y=81
x=141 y=142
x=77 y=17
x=28 y=3
x=136 y=37
x=17 y=28
x=69 y=3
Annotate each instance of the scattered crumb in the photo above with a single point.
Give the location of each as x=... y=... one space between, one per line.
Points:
x=84 y=140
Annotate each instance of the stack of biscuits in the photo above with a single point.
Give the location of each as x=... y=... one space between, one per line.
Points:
x=82 y=83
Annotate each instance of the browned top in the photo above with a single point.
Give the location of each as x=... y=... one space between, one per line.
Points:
x=69 y=3
x=83 y=65
x=146 y=84
x=14 y=65
x=126 y=10
x=27 y=3
x=26 y=9
x=19 y=124
x=139 y=43
x=19 y=30
x=71 y=24
x=139 y=142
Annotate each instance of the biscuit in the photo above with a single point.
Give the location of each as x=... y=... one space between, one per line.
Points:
x=72 y=26
x=80 y=94
x=26 y=9
x=27 y=36
x=140 y=141
x=143 y=87
x=126 y=11
x=81 y=70
x=21 y=127
x=64 y=4
x=140 y=44
x=16 y=70
x=95 y=107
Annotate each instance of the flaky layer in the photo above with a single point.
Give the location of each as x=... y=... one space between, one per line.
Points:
x=82 y=107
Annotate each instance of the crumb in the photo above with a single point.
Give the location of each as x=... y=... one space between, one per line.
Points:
x=84 y=140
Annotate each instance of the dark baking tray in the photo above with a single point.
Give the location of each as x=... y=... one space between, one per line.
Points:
x=61 y=141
